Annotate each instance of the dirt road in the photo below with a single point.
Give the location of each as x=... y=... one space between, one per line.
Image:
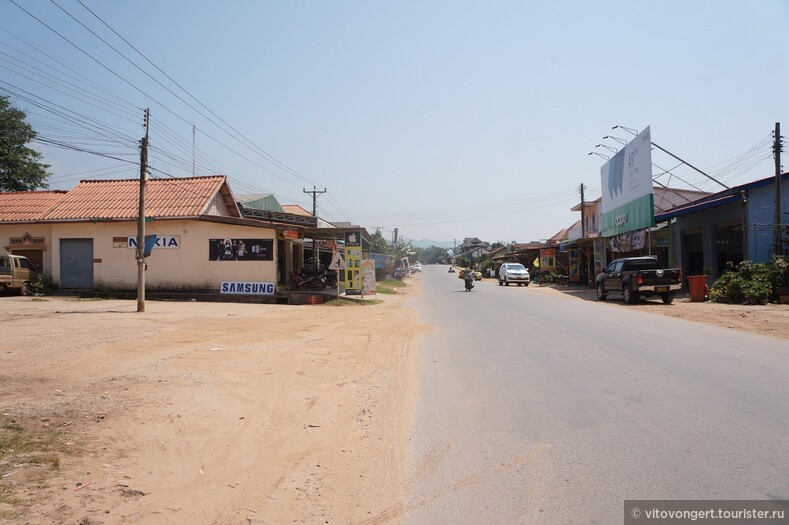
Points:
x=203 y=413
x=222 y=413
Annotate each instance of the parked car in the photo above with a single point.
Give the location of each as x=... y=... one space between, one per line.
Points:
x=16 y=273
x=637 y=276
x=513 y=273
x=418 y=267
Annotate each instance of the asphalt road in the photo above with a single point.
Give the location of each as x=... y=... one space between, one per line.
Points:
x=540 y=408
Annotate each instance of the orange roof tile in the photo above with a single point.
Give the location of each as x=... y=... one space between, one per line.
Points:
x=119 y=199
x=27 y=205
x=295 y=209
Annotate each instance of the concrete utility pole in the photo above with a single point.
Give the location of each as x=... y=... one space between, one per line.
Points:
x=194 y=132
x=141 y=217
x=583 y=213
x=315 y=194
x=777 y=241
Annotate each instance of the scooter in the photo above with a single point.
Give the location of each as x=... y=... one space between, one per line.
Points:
x=469 y=283
x=299 y=281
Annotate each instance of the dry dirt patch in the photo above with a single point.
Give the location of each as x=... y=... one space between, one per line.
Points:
x=770 y=319
x=205 y=412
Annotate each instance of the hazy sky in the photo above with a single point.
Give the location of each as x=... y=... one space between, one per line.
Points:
x=442 y=119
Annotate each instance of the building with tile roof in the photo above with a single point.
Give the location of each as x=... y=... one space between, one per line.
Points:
x=86 y=237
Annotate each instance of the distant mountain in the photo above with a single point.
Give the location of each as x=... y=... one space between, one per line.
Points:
x=427 y=243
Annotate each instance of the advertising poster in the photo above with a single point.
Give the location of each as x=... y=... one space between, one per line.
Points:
x=368 y=277
x=241 y=249
x=353 y=263
x=575 y=275
x=548 y=259
x=599 y=256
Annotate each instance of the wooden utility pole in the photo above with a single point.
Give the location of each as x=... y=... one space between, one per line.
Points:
x=141 y=217
x=777 y=240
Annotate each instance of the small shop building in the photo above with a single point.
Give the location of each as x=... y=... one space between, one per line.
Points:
x=86 y=238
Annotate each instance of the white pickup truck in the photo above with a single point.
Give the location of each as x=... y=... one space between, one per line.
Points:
x=16 y=273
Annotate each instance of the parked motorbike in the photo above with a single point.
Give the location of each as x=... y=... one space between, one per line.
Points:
x=299 y=280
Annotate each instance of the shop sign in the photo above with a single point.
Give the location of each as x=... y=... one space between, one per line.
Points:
x=162 y=241
x=247 y=288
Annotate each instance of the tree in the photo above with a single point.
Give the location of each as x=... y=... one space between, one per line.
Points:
x=378 y=244
x=20 y=169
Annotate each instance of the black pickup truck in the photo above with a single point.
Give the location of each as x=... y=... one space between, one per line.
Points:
x=637 y=276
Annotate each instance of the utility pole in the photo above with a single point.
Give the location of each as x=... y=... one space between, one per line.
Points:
x=777 y=241
x=583 y=213
x=315 y=193
x=583 y=228
x=141 y=217
x=194 y=132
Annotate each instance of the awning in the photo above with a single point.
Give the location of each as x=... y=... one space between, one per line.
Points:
x=697 y=207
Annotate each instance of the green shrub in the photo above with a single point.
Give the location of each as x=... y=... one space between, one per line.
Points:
x=43 y=283
x=752 y=283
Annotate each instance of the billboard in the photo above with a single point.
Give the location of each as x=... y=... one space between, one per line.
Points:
x=353 y=263
x=241 y=249
x=626 y=182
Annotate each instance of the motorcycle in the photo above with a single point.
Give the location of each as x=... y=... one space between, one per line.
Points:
x=468 y=278
x=299 y=280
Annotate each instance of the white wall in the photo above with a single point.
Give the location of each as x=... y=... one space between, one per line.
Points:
x=185 y=267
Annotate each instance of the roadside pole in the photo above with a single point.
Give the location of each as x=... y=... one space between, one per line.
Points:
x=141 y=217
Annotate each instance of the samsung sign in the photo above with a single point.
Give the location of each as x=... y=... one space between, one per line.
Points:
x=247 y=288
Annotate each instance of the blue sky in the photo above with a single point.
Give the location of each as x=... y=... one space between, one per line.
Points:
x=442 y=119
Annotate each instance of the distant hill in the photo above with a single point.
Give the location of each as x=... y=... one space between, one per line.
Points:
x=427 y=243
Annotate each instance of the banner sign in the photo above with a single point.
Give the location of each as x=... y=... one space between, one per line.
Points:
x=626 y=181
x=548 y=259
x=247 y=288
x=599 y=255
x=575 y=264
x=627 y=242
x=353 y=262
x=368 y=277
x=241 y=249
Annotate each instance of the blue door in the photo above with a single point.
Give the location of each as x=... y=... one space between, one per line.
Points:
x=76 y=263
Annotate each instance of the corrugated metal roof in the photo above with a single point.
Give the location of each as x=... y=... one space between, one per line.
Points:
x=27 y=205
x=119 y=199
x=261 y=201
x=295 y=209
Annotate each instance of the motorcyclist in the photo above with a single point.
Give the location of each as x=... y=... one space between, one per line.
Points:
x=468 y=277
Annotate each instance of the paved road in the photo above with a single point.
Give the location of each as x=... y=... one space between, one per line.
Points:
x=540 y=408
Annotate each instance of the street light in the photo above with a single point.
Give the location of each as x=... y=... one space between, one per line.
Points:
x=606 y=157
x=631 y=130
x=688 y=164
x=619 y=140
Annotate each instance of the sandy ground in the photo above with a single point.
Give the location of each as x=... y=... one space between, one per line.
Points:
x=206 y=413
x=212 y=413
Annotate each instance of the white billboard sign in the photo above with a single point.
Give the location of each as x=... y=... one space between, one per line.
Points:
x=626 y=182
